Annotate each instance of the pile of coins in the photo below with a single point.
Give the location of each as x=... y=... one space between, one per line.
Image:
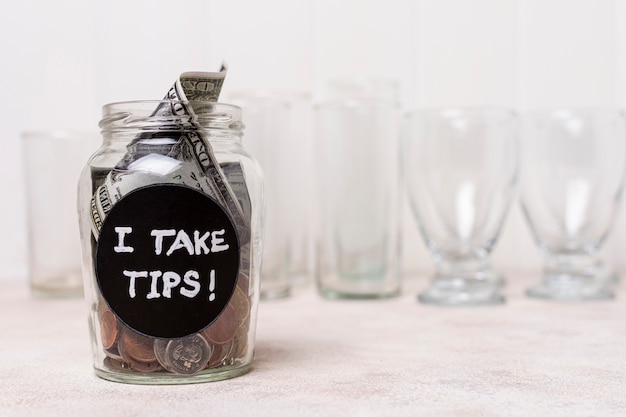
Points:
x=220 y=344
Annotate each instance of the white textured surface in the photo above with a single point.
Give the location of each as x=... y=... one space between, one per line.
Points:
x=316 y=357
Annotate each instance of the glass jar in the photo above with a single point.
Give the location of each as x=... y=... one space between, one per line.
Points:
x=171 y=209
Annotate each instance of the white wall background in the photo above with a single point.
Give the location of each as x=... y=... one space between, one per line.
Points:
x=62 y=60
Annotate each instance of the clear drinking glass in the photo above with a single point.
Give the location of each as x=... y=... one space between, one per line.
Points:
x=270 y=138
x=52 y=162
x=357 y=180
x=571 y=185
x=461 y=167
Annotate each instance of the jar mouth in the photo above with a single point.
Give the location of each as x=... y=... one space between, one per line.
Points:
x=170 y=115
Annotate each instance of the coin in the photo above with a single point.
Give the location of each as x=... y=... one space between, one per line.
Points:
x=188 y=355
x=101 y=305
x=109 y=329
x=242 y=348
x=160 y=346
x=243 y=282
x=220 y=353
x=113 y=353
x=120 y=365
x=115 y=364
x=140 y=366
x=160 y=350
x=241 y=304
x=133 y=346
x=223 y=329
x=241 y=339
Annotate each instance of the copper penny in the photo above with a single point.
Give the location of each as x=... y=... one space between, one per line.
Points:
x=136 y=347
x=242 y=348
x=242 y=340
x=220 y=353
x=223 y=329
x=140 y=366
x=121 y=366
x=241 y=304
x=101 y=305
x=243 y=282
x=109 y=329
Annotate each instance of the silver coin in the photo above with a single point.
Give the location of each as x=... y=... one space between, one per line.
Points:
x=160 y=346
x=115 y=364
x=113 y=353
x=187 y=355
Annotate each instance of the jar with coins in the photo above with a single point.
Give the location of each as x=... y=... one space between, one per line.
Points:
x=171 y=209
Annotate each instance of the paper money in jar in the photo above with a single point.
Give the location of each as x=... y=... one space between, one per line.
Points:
x=170 y=216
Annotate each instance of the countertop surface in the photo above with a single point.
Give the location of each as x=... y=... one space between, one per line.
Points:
x=318 y=357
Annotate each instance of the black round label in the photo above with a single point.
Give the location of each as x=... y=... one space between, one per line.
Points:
x=167 y=260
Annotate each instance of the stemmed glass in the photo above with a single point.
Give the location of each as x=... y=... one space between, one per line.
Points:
x=571 y=185
x=461 y=167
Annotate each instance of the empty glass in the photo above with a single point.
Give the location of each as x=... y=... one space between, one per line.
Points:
x=571 y=186
x=461 y=168
x=357 y=180
x=278 y=134
x=53 y=161
x=269 y=140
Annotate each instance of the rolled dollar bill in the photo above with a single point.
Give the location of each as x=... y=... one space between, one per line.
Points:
x=147 y=156
x=193 y=86
x=199 y=86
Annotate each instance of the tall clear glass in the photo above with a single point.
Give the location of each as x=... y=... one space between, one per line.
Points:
x=357 y=180
x=572 y=183
x=52 y=163
x=273 y=140
x=461 y=168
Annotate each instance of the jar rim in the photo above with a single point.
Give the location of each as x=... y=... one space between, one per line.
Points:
x=142 y=103
x=124 y=115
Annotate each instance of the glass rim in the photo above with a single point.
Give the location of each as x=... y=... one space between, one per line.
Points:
x=551 y=111
x=452 y=111
x=57 y=134
x=356 y=101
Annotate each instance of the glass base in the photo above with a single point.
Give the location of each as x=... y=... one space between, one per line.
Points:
x=51 y=291
x=66 y=283
x=463 y=292
x=345 y=295
x=172 y=379
x=574 y=277
x=364 y=286
x=275 y=293
x=572 y=288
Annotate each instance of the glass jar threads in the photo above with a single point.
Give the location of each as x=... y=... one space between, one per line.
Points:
x=171 y=207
